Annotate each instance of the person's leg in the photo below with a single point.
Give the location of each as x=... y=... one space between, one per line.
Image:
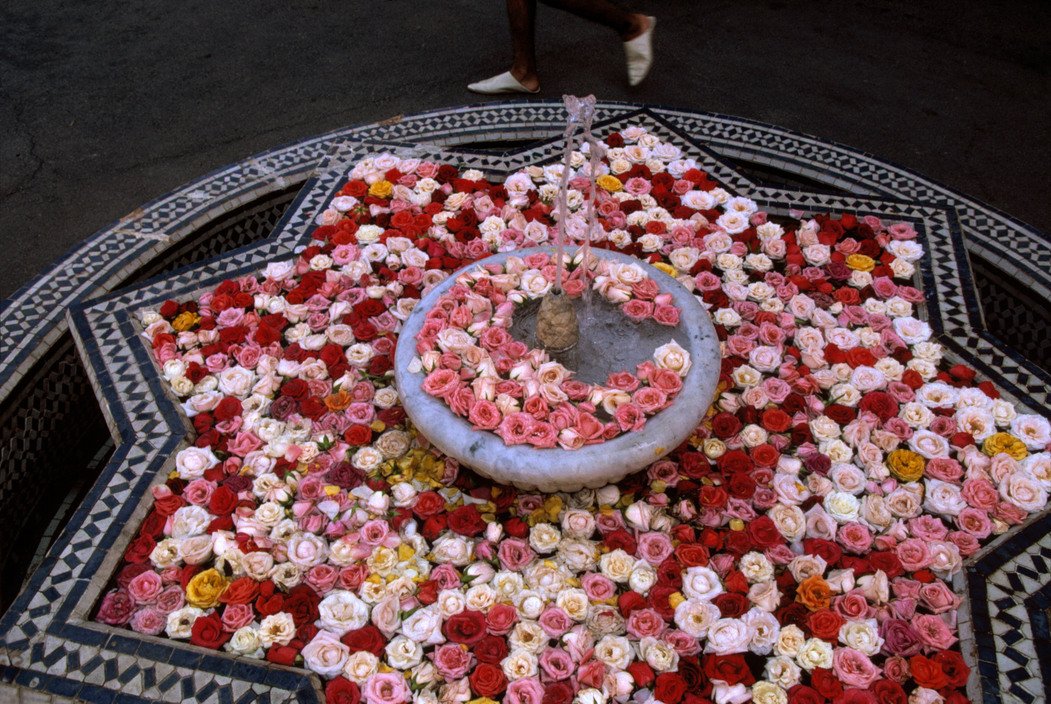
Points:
x=522 y=78
x=628 y=25
x=521 y=16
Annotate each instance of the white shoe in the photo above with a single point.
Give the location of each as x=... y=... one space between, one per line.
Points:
x=639 y=52
x=504 y=83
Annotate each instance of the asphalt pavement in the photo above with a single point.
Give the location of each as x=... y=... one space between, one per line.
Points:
x=105 y=105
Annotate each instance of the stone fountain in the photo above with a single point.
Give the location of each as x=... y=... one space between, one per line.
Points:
x=590 y=338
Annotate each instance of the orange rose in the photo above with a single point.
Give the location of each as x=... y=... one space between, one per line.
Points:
x=338 y=401
x=814 y=593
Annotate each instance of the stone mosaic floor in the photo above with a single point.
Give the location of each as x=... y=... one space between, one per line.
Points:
x=50 y=650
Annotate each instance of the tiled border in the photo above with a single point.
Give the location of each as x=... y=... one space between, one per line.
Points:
x=47 y=641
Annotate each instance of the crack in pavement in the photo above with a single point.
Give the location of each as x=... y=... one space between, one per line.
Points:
x=38 y=162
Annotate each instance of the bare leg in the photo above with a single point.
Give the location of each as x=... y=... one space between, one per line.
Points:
x=521 y=14
x=628 y=25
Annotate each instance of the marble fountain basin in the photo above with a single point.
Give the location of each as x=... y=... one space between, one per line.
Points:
x=592 y=466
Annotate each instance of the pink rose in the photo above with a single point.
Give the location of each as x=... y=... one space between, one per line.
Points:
x=556 y=664
x=914 y=554
x=663 y=471
x=933 y=632
x=853 y=668
x=446 y=577
x=638 y=310
x=945 y=469
x=980 y=493
x=555 y=621
x=148 y=620
x=899 y=637
x=592 y=673
x=654 y=547
x=501 y=619
x=322 y=578
x=484 y=415
x=650 y=399
x=629 y=417
x=937 y=597
x=116 y=608
x=853 y=606
x=514 y=429
x=645 y=622
x=515 y=554
x=146 y=587
x=666 y=380
x=854 y=537
x=452 y=661
x=598 y=587
x=350 y=578
x=927 y=528
x=386 y=688
x=441 y=382
x=684 y=644
x=237 y=616
x=666 y=315
x=524 y=691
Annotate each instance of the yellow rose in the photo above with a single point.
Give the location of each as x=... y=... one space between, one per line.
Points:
x=906 y=465
x=859 y=262
x=381 y=189
x=185 y=321
x=609 y=183
x=1006 y=443
x=666 y=268
x=205 y=588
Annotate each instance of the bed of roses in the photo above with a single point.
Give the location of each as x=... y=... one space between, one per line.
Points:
x=797 y=549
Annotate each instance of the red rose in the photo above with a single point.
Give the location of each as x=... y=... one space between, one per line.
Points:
x=714 y=497
x=491 y=649
x=669 y=687
x=735 y=461
x=879 y=403
x=342 y=691
x=427 y=592
x=153 y=526
x=302 y=603
x=630 y=601
x=242 y=590
x=282 y=655
x=516 y=527
x=732 y=669
x=641 y=672
x=468 y=627
x=207 y=631
x=557 y=693
x=825 y=624
x=167 y=505
x=887 y=561
x=801 y=694
x=692 y=554
x=367 y=638
x=725 y=425
x=467 y=521
x=358 y=435
x=694 y=465
x=140 y=548
x=488 y=680
x=621 y=539
x=428 y=504
x=888 y=692
x=269 y=605
x=764 y=532
x=955 y=669
x=856 y=696
x=839 y=413
x=435 y=526
x=776 y=421
x=741 y=485
x=823 y=548
x=731 y=605
x=222 y=502
x=826 y=682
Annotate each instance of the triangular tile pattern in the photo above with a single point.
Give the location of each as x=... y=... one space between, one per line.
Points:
x=47 y=633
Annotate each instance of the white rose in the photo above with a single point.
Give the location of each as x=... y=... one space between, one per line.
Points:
x=658 y=654
x=617 y=565
x=325 y=654
x=518 y=664
x=189 y=521
x=277 y=628
x=701 y=583
x=192 y=462
x=360 y=666
x=403 y=653
x=424 y=626
x=727 y=636
x=696 y=617
x=341 y=611
x=245 y=641
x=614 y=651
x=814 y=653
x=180 y=621
x=672 y=356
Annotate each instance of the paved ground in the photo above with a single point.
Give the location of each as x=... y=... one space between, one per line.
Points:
x=105 y=105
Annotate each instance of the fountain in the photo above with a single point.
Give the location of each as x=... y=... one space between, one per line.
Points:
x=590 y=340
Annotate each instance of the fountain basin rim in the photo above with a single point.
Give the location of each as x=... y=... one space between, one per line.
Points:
x=557 y=469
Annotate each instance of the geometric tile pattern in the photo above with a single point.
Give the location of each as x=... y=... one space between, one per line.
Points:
x=47 y=642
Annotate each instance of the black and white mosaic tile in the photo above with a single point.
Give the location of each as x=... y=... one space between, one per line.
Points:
x=48 y=645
